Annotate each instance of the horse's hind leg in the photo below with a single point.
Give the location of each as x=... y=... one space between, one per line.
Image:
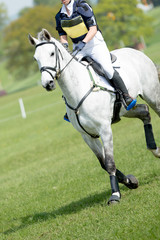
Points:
x=151 y=93
x=142 y=112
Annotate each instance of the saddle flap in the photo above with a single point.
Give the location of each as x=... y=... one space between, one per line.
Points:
x=97 y=66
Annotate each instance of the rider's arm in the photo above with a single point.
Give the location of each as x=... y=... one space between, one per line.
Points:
x=91 y=33
x=61 y=32
x=88 y=16
x=63 y=39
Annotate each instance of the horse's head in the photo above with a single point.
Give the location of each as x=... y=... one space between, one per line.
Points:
x=47 y=57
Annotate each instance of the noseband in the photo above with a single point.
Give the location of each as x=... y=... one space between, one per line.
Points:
x=57 y=66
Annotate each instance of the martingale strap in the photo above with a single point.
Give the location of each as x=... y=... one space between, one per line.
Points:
x=96 y=85
x=80 y=103
x=76 y=110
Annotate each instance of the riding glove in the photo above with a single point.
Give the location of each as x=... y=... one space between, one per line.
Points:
x=65 y=45
x=80 y=46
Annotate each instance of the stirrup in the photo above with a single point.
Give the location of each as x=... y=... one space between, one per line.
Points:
x=66 y=118
x=132 y=104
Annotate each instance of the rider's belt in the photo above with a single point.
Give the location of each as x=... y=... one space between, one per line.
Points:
x=75 y=27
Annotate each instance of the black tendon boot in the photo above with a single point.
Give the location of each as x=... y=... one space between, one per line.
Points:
x=119 y=85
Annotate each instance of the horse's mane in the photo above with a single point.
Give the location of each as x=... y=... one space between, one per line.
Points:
x=40 y=36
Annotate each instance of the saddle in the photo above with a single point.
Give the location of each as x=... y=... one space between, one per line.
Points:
x=100 y=71
x=97 y=66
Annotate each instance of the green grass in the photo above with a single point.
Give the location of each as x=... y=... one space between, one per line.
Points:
x=11 y=85
x=52 y=186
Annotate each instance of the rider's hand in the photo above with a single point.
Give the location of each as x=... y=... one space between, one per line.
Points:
x=65 y=45
x=80 y=46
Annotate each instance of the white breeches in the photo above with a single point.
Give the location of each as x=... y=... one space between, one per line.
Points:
x=98 y=51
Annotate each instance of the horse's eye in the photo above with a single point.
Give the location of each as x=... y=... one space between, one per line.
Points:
x=52 y=54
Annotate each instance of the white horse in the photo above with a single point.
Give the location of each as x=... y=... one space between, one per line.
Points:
x=90 y=109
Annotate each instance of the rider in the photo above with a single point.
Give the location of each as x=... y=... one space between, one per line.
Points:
x=76 y=19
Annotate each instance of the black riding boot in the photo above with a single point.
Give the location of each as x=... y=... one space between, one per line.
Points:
x=119 y=85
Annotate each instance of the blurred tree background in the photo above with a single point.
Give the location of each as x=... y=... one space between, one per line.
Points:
x=18 y=50
x=46 y=2
x=156 y=2
x=122 y=20
x=119 y=21
x=3 y=21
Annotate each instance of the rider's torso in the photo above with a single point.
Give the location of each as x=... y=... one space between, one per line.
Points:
x=75 y=28
x=77 y=25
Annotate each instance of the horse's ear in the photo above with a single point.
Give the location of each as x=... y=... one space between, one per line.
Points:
x=32 y=40
x=46 y=34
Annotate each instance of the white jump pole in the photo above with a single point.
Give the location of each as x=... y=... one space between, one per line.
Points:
x=23 y=113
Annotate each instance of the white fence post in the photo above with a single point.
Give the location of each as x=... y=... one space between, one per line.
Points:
x=22 y=108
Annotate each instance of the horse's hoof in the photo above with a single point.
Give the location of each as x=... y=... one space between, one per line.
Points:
x=133 y=182
x=156 y=152
x=114 y=199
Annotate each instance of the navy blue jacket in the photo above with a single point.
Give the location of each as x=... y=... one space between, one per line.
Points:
x=78 y=24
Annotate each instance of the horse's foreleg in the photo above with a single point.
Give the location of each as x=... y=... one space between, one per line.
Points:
x=98 y=150
x=96 y=146
x=107 y=163
x=129 y=181
x=142 y=112
x=110 y=166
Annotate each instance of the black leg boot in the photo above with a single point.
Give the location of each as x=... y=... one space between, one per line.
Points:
x=119 y=85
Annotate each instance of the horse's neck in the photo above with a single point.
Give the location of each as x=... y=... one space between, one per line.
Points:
x=74 y=81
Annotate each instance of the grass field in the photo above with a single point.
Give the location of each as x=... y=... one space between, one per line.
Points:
x=52 y=186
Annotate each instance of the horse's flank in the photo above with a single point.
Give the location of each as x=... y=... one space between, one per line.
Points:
x=158 y=70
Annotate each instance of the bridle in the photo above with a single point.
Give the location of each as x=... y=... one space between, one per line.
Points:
x=57 y=68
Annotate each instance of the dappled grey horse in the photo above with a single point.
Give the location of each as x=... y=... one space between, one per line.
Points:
x=90 y=106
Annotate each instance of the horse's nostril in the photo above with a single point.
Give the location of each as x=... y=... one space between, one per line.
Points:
x=50 y=85
x=48 y=88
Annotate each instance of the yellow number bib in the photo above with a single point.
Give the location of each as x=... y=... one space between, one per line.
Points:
x=75 y=27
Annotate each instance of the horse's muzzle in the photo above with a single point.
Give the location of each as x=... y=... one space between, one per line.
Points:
x=50 y=86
